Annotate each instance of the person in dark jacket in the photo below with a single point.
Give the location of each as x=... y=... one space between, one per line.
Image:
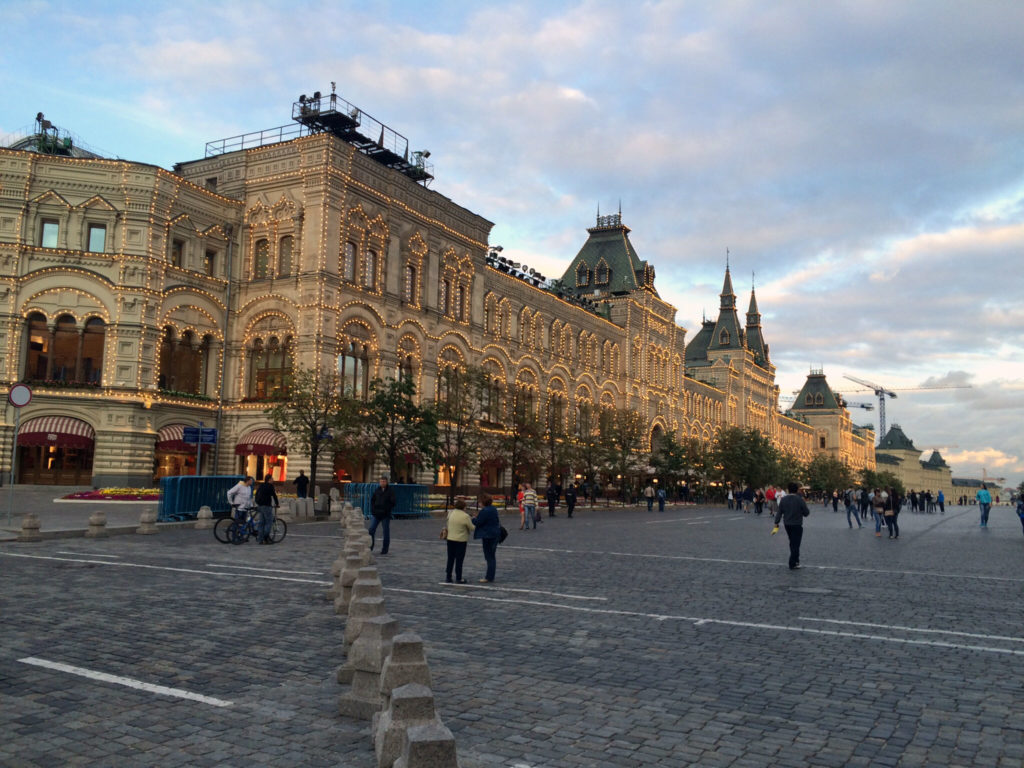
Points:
x=570 y=499
x=382 y=503
x=792 y=511
x=266 y=502
x=552 y=493
x=301 y=484
x=488 y=530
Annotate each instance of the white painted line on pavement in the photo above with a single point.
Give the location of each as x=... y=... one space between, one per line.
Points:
x=513 y=589
x=125 y=681
x=87 y=554
x=706 y=522
x=735 y=518
x=700 y=621
x=268 y=570
x=165 y=568
x=914 y=629
x=676 y=520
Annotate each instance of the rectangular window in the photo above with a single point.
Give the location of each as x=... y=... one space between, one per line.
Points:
x=210 y=261
x=97 y=238
x=446 y=289
x=211 y=183
x=178 y=252
x=48 y=234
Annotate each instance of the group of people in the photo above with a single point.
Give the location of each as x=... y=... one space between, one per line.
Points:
x=527 y=500
x=756 y=500
x=485 y=526
x=243 y=499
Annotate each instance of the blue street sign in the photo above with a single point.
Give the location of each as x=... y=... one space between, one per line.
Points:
x=197 y=435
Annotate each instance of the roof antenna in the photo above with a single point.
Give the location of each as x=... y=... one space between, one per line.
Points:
x=753 y=284
x=726 y=258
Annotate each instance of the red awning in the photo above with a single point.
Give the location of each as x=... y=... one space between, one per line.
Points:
x=262 y=442
x=56 y=430
x=172 y=438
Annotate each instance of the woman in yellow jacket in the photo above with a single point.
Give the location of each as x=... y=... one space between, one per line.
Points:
x=459 y=527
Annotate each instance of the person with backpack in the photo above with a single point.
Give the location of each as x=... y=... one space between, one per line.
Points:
x=661 y=499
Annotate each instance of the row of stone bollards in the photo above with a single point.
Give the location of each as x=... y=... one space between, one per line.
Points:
x=386 y=671
x=30 y=526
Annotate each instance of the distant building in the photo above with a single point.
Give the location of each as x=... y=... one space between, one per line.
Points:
x=896 y=453
x=825 y=411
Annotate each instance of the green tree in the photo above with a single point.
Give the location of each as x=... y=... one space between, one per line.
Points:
x=395 y=425
x=557 y=448
x=458 y=411
x=313 y=414
x=622 y=431
x=519 y=446
x=745 y=456
x=587 y=449
x=789 y=469
x=669 y=458
x=826 y=473
x=874 y=479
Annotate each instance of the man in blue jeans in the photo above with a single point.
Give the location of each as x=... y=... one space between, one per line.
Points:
x=382 y=503
x=984 y=504
x=792 y=511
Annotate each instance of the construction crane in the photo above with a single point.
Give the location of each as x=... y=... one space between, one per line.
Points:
x=883 y=392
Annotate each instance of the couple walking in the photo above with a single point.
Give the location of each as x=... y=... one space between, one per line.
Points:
x=485 y=526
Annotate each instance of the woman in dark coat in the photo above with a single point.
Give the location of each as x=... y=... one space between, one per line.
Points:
x=488 y=530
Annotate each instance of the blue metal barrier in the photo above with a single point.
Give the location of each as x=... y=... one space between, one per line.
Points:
x=182 y=496
x=410 y=499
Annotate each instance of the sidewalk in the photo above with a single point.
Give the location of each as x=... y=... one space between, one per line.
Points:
x=58 y=518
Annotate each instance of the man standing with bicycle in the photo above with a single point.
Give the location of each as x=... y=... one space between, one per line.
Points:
x=266 y=502
x=240 y=498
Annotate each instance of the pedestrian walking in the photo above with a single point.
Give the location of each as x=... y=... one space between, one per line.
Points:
x=522 y=514
x=552 y=493
x=730 y=497
x=851 y=508
x=892 y=514
x=382 y=505
x=1020 y=510
x=984 y=504
x=649 y=497
x=530 y=506
x=661 y=499
x=940 y=499
x=835 y=500
x=488 y=530
x=864 y=502
x=266 y=502
x=570 y=499
x=792 y=511
x=301 y=484
x=878 y=510
x=457 y=530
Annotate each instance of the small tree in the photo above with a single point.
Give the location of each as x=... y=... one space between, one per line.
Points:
x=826 y=473
x=669 y=459
x=622 y=431
x=457 y=412
x=556 y=439
x=745 y=456
x=882 y=480
x=313 y=414
x=520 y=444
x=789 y=469
x=586 y=448
x=396 y=425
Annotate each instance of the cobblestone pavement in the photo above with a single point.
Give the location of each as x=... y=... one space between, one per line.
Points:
x=617 y=638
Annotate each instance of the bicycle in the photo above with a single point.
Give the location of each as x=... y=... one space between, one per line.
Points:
x=238 y=530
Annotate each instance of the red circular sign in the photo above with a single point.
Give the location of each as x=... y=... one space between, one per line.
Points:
x=19 y=396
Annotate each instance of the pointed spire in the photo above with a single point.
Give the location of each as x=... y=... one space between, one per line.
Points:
x=728 y=296
x=753 y=314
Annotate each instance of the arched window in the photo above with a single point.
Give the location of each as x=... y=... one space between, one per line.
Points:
x=284 y=256
x=409 y=284
x=819 y=399
x=370 y=271
x=406 y=369
x=809 y=400
x=582 y=275
x=261 y=260
x=602 y=274
x=354 y=370
x=65 y=349
x=39 y=349
x=90 y=368
x=723 y=338
x=348 y=265
x=270 y=366
x=445 y=297
x=460 y=303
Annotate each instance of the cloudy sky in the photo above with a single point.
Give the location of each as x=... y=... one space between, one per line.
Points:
x=863 y=161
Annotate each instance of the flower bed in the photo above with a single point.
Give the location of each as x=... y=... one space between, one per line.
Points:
x=116 y=494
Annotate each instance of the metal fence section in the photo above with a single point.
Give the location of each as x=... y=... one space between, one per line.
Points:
x=182 y=496
x=410 y=499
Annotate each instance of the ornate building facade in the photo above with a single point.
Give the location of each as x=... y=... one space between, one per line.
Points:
x=136 y=302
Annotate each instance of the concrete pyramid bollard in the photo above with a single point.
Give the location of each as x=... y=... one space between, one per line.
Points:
x=97 y=526
x=287 y=510
x=30 y=528
x=309 y=508
x=428 y=746
x=405 y=665
x=353 y=562
x=204 y=519
x=359 y=611
x=410 y=705
x=366 y=657
x=366 y=584
x=147 y=522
